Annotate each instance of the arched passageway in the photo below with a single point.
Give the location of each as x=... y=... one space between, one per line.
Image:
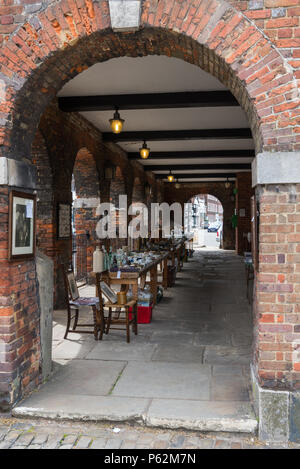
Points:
x=49 y=50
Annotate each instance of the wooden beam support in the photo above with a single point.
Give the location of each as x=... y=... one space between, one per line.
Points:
x=189 y=99
x=164 y=155
x=188 y=167
x=166 y=135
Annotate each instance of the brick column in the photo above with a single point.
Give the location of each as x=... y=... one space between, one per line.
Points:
x=276 y=370
x=19 y=306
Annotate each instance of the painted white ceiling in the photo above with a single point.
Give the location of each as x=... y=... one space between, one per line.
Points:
x=160 y=74
x=151 y=74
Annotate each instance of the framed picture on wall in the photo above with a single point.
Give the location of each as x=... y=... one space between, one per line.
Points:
x=63 y=221
x=22 y=221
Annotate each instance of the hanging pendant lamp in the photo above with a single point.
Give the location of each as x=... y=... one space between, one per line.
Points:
x=170 y=177
x=144 y=151
x=116 y=123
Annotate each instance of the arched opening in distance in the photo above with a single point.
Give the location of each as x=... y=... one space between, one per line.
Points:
x=203 y=218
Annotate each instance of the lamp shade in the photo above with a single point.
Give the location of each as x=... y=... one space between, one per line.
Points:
x=144 y=151
x=116 y=123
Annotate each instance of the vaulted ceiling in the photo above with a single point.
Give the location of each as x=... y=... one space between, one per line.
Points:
x=190 y=121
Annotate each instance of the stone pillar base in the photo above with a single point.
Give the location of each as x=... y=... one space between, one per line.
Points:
x=278 y=413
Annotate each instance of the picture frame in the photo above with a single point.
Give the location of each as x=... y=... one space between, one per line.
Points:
x=108 y=292
x=73 y=289
x=64 y=215
x=21 y=225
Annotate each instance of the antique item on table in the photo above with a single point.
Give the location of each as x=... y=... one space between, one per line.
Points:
x=63 y=221
x=98 y=260
x=122 y=298
x=22 y=221
x=108 y=292
x=73 y=289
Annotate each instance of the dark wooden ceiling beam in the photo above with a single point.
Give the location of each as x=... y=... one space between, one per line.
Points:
x=198 y=176
x=164 y=155
x=189 y=99
x=188 y=167
x=166 y=135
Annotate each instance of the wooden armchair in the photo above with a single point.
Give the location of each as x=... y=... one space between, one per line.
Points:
x=74 y=302
x=115 y=314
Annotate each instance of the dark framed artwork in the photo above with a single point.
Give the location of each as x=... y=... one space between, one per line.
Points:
x=22 y=222
x=63 y=221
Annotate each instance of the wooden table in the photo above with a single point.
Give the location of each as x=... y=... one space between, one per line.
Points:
x=132 y=279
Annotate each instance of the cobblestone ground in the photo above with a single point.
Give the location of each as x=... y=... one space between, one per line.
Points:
x=44 y=434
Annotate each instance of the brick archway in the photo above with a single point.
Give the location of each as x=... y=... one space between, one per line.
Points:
x=56 y=44
x=63 y=39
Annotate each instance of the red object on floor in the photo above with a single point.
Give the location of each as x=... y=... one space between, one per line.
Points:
x=144 y=314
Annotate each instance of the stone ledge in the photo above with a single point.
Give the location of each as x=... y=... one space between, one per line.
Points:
x=17 y=174
x=276 y=168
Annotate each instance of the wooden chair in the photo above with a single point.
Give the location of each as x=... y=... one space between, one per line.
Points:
x=115 y=314
x=74 y=302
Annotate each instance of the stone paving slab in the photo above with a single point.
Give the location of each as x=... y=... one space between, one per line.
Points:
x=165 y=380
x=69 y=349
x=223 y=355
x=85 y=377
x=183 y=354
x=113 y=351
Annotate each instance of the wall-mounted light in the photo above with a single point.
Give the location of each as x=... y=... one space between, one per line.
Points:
x=116 y=123
x=227 y=184
x=144 y=151
x=170 y=177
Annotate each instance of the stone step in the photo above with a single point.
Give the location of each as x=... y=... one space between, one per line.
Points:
x=208 y=416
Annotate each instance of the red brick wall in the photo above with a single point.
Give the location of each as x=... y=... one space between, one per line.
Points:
x=279 y=19
x=19 y=320
x=278 y=291
x=86 y=178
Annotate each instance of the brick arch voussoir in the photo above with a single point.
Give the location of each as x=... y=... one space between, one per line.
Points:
x=60 y=42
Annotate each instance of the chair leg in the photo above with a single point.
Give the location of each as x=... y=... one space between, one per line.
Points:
x=102 y=327
x=76 y=319
x=127 y=325
x=68 y=324
x=108 y=321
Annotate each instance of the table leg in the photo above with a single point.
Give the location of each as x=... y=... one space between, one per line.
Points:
x=165 y=273
x=153 y=283
x=135 y=291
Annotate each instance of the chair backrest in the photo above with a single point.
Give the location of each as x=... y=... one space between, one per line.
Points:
x=71 y=289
